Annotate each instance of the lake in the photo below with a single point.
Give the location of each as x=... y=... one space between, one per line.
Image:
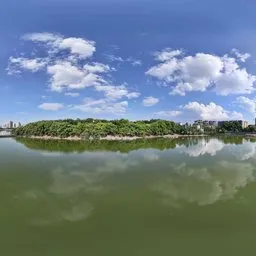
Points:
x=190 y=196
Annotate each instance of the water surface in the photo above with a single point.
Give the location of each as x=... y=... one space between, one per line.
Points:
x=148 y=197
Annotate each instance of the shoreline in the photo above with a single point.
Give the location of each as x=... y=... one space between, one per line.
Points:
x=111 y=138
x=127 y=138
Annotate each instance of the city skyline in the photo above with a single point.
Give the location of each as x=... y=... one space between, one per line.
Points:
x=10 y=125
x=174 y=60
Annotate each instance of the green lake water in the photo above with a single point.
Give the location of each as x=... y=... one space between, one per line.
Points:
x=193 y=196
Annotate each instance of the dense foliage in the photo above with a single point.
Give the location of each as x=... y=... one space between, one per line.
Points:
x=97 y=128
x=230 y=126
x=91 y=128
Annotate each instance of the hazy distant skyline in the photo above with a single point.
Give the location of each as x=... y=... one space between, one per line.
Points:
x=179 y=60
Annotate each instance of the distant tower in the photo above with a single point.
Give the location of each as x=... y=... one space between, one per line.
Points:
x=11 y=125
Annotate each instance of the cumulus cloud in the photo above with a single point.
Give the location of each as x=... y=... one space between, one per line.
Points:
x=102 y=106
x=78 y=46
x=67 y=62
x=66 y=75
x=69 y=67
x=51 y=106
x=247 y=104
x=224 y=74
x=212 y=111
x=150 y=101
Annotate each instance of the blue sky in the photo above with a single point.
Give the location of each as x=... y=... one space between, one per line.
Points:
x=177 y=59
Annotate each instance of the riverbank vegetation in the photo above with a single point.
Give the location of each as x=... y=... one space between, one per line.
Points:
x=91 y=128
x=97 y=128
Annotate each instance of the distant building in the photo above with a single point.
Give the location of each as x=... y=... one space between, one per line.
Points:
x=213 y=123
x=202 y=124
x=11 y=125
x=244 y=124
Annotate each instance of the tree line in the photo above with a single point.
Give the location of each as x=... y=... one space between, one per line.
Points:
x=98 y=128
x=94 y=128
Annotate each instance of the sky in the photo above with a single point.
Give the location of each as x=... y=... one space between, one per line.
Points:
x=178 y=60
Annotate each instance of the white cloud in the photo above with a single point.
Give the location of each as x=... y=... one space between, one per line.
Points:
x=241 y=56
x=51 y=106
x=42 y=37
x=247 y=104
x=133 y=95
x=78 y=46
x=116 y=92
x=67 y=75
x=32 y=65
x=234 y=115
x=211 y=112
x=201 y=72
x=236 y=82
x=167 y=54
x=168 y=113
x=72 y=94
x=97 y=67
x=102 y=106
x=68 y=67
x=150 y=101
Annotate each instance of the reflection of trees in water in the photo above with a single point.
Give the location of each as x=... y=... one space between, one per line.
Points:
x=205 y=185
x=115 y=146
x=66 y=146
x=232 y=139
x=69 y=196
